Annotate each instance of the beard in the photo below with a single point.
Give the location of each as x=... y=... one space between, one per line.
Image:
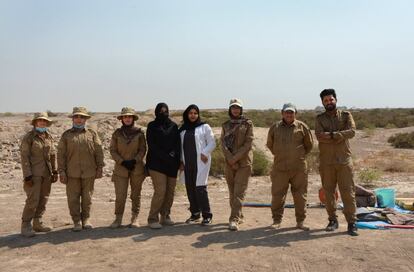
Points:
x=330 y=107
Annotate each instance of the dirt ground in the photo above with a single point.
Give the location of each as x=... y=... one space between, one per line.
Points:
x=181 y=247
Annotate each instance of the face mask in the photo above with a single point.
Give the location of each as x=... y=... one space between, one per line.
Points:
x=79 y=126
x=41 y=130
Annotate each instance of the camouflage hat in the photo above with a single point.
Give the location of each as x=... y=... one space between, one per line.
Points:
x=236 y=102
x=80 y=111
x=128 y=111
x=289 y=107
x=42 y=116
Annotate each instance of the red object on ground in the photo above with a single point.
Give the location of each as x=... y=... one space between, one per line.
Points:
x=322 y=195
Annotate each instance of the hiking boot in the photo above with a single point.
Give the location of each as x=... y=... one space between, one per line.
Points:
x=134 y=222
x=301 y=226
x=39 y=226
x=86 y=224
x=276 y=225
x=194 y=218
x=117 y=222
x=26 y=229
x=207 y=221
x=332 y=225
x=155 y=225
x=233 y=226
x=352 y=229
x=77 y=226
x=166 y=220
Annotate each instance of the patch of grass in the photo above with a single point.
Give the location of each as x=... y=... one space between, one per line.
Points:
x=368 y=176
x=7 y=114
x=402 y=140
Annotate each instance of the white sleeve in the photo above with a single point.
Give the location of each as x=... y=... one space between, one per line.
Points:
x=208 y=136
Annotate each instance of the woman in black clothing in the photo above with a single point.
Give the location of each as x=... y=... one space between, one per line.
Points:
x=163 y=160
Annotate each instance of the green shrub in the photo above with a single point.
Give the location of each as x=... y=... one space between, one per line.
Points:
x=368 y=176
x=218 y=161
x=261 y=164
x=402 y=140
x=51 y=114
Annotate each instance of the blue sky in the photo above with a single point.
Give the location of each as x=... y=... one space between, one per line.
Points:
x=108 y=54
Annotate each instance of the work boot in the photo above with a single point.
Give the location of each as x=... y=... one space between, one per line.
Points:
x=233 y=226
x=207 y=221
x=275 y=225
x=154 y=225
x=26 y=229
x=134 y=221
x=333 y=225
x=352 y=229
x=117 y=222
x=194 y=218
x=86 y=224
x=39 y=226
x=77 y=226
x=301 y=226
x=166 y=220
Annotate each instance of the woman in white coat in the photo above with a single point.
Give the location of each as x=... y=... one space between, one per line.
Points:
x=197 y=143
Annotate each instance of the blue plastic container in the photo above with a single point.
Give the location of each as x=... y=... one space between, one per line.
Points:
x=385 y=197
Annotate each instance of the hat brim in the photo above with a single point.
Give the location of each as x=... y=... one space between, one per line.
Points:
x=119 y=117
x=289 y=109
x=81 y=114
x=49 y=122
x=236 y=104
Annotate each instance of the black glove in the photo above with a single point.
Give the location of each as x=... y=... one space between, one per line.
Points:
x=129 y=164
x=28 y=178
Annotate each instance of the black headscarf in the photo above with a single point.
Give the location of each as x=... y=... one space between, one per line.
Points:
x=130 y=131
x=162 y=118
x=187 y=124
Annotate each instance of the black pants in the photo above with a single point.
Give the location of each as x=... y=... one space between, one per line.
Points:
x=198 y=198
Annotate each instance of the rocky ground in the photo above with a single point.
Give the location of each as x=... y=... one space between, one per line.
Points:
x=183 y=247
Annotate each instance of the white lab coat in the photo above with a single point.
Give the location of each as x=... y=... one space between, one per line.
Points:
x=205 y=144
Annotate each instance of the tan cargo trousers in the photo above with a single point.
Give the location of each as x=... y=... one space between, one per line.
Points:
x=342 y=176
x=163 y=197
x=298 y=180
x=79 y=192
x=37 y=197
x=237 y=182
x=121 y=192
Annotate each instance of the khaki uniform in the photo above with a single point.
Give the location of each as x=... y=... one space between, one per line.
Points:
x=336 y=162
x=38 y=159
x=80 y=156
x=289 y=145
x=162 y=200
x=237 y=178
x=123 y=149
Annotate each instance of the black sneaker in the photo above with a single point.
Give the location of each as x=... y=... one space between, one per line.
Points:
x=207 y=221
x=333 y=225
x=352 y=229
x=194 y=218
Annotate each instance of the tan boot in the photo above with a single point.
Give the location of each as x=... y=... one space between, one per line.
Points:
x=166 y=220
x=117 y=222
x=39 y=226
x=77 y=226
x=26 y=229
x=154 y=225
x=86 y=224
x=134 y=222
x=233 y=225
x=301 y=226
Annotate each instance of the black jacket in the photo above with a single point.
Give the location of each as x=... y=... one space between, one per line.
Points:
x=164 y=147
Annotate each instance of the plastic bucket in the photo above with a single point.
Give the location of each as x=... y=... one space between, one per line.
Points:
x=385 y=197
